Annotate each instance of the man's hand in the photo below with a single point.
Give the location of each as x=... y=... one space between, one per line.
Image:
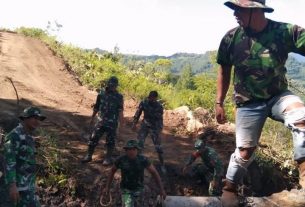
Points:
x=220 y=114
x=163 y=194
x=14 y=194
x=214 y=184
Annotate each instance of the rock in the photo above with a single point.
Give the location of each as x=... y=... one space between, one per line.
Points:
x=183 y=110
x=226 y=128
x=193 y=124
x=202 y=114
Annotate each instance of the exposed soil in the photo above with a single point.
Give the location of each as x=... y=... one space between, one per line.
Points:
x=41 y=79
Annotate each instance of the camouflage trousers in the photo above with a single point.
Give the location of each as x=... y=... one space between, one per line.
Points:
x=4 y=197
x=155 y=136
x=132 y=198
x=204 y=173
x=99 y=131
x=4 y=194
x=28 y=199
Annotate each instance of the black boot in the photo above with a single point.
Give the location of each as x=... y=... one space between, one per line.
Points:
x=302 y=173
x=108 y=158
x=88 y=157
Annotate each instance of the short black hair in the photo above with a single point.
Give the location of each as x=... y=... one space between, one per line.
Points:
x=153 y=94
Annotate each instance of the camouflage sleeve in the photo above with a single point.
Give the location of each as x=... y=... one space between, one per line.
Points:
x=10 y=153
x=217 y=164
x=192 y=158
x=298 y=38
x=159 y=115
x=117 y=162
x=218 y=171
x=223 y=54
x=97 y=103
x=121 y=105
x=138 y=113
x=160 y=112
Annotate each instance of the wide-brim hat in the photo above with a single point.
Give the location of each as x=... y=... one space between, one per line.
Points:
x=250 y=4
x=132 y=144
x=32 y=112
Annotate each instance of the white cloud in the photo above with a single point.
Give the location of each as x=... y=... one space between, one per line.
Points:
x=139 y=26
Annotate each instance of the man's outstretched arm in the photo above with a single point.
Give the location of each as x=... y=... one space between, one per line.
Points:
x=223 y=83
x=157 y=178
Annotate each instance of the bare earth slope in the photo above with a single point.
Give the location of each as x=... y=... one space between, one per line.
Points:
x=39 y=76
x=41 y=79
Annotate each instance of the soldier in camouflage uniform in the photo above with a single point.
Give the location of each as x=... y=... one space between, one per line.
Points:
x=4 y=194
x=109 y=106
x=19 y=154
x=152 y=122
x=211 y=168
x=258 y=49
x=3 y=188
x=132 y=167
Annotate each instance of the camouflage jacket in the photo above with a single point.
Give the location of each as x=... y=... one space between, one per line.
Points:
x=153 y=114
x=210 y=159
x=109 y=105
x=259 y=59
x=2 y=171
x=19 y=154
x=132 y=171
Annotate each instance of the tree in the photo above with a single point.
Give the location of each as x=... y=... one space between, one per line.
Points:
x=162 y=70
x=185 y=80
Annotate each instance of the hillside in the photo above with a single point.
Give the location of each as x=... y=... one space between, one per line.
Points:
x=41 y=78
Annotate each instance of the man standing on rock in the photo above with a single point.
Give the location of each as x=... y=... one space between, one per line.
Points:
x=211 y=168
x=132 y=166
x=152 y=123
x=19 y=154
x=258 y=49
x=109 y=105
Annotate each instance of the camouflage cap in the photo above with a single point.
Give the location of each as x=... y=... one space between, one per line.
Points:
x=251 y=4
x=32 y=112
x=132 y=144
x=113 y=82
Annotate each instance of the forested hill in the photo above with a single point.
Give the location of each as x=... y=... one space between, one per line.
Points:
x=203 y=63
x=198 y=62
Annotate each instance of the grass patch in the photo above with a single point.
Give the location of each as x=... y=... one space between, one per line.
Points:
x=53 y=169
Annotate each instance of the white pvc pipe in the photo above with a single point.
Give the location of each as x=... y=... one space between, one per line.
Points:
x=184 y=201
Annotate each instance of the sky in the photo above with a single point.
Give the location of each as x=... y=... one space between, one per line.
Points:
x=143 y=27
